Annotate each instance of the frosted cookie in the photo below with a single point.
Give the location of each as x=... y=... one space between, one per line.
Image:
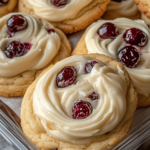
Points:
x=27 y=46
x=83 y=103
x=121 y=8
x=144 y=7
x=120 y=40
x=68 y=15
x=7 y=6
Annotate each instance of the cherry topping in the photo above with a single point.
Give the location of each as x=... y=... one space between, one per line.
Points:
x=66 y=77
x=108 y=31
x=117 y=0
x=16 y=23
x=59 y=3
x=129 y=56
x=89 y=66
x=81 y=110
x=3 y=2
x=50 y=30
x=93 y=96
x=136 y=37
x=17 y=49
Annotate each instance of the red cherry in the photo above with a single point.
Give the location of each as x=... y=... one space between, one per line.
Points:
x=89 y=66
x=3 y=2
x=17 y=49
x=93 y=96
x=136 y=37
x=67 y=76
x=108 y=31
x=129 y=56
x=59 y=3
x=81 y=110
x=16 y=23
x=50 y=31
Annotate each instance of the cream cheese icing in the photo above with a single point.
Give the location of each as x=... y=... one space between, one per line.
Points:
x=146 y=19
x=54 y=105
x=125 y=8
x=49 y=12
x=141 y=74
x=44 y=46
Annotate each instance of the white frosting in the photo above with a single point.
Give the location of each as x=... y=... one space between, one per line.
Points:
x=44 y=46
x=146 y=19
x=54 y=105
x=49 y=12
x=125 y=8
x=141 y=74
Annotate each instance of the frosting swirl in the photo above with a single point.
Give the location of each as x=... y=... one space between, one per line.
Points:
x=140 y=74
x=44 y=46
x=125 y=8
x=49 y=12
x=54 y=105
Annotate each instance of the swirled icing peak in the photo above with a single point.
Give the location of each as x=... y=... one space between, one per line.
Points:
x=111 y=47
x=59 y=108
x=42 y=44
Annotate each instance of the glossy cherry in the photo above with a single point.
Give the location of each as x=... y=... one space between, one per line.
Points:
x=16 y=23
x=67 y=76
x=50 y=31
x=108 y=31
x=129 y=56
x=136 y=37
x=17 y=49
x=59 y=3
x=89 y=66
x=3 y=2
x=93 y=96
x=81 y=110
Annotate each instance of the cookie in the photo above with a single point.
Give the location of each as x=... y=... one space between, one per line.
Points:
x=144 y=7
x=28 y=46
x=120 y=40
x=83 y=102
x=69 y=16
x=121 y=8
x=7 y=6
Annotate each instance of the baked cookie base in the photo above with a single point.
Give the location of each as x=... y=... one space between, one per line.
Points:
x=17 y=85
x=8 y=8
x=34 y=130
x=144 y=7
x=85 y=17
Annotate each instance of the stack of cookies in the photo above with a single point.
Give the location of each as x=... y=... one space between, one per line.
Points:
x=82 y=98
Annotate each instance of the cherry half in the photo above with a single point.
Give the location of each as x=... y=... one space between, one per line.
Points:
x=16 y=23
x=17 y=49
x=50 y=31
x=89 y=66
x=59 y=3
x=108 y=31
x=129 y=56
x=3 y=2
x=67 y=76
x=136 y=37
x=81 y=110
x=93 y=96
